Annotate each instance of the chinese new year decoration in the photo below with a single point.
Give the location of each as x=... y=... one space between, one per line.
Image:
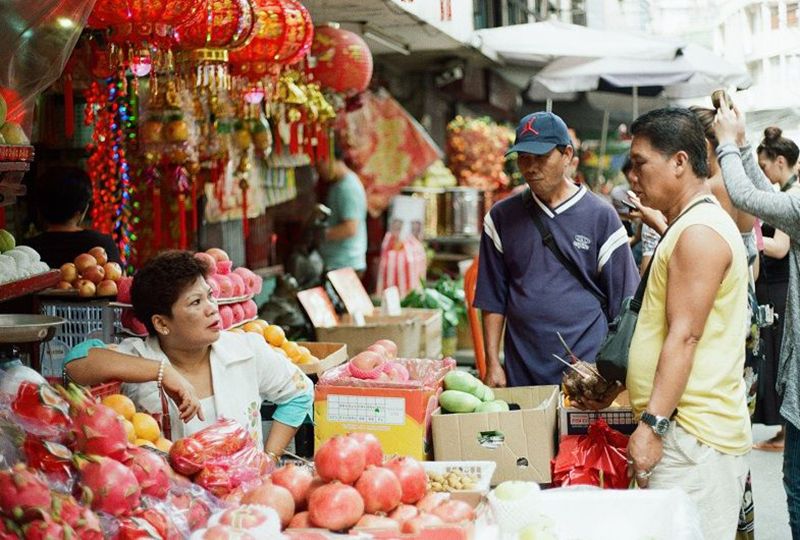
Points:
x=344 y=61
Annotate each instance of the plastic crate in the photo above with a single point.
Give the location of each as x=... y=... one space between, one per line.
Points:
x=84 y=320
x=106 y=389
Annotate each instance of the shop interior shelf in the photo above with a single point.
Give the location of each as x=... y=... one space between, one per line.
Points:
x=29 y=285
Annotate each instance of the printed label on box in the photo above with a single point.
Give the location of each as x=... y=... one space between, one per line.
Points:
x=366 y=409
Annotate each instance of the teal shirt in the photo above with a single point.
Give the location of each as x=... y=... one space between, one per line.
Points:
x=347 y=200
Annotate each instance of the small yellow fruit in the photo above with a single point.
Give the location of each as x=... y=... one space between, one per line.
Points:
x=291 y=349
x=237 y=331
x=146 y=427
x=129 y=430
x=163 y=444
x=275 y=335
x=252 y=326
x=304 y=356
x=121 y=404
x=144 y=442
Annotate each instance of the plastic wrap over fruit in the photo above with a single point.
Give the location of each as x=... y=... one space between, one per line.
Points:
x=222 y=438
x=410 y=373
x=224 y=474
x=29 y=402
x=35 y=47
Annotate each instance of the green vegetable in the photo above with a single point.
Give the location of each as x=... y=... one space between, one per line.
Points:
x=446 y=295
x=455 y=401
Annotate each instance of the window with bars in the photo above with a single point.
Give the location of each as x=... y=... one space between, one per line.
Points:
x=774 y=16
x=791 y=15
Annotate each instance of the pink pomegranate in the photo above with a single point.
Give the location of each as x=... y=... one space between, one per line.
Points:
x=454 y=512
x=422 y=521
x=412 y=477
x=340 y=458
x=151 y=470
x=371 y=445
x=371 y=521
x=108 y=485
x=23 y=493
x=404 y=512
x=98 y=429
x=335 y=507
x=272 y=496
x=297 y=480
x=431 y=501
x=300 y=521
x=380 y=489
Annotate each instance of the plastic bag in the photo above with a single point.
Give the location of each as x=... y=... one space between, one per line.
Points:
x=29 y=402
x=224 y=474
x=222 y=438
x=403 y=263
x=597 y=458
x=35 y=44
x=423 y=373
x=51 y=458
x=189 y=506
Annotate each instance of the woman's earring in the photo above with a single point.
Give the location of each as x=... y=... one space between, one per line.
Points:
x=165 y=331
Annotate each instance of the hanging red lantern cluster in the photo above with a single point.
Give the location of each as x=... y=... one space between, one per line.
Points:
x=343 y=60
x=206 y=37
x=282 y=36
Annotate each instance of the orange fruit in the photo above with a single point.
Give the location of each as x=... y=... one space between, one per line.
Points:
x=304 y=356
x=252 y=326
x=291 y=349
x=262 y=323
x=144 y=442
x=275 y=335
x=146 y=427
x=163 y=444
x=129 y=430
x=121 y=404
x=237 y=331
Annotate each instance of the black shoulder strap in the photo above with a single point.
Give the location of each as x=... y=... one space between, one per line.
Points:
x=550 y=242
x=636 y=302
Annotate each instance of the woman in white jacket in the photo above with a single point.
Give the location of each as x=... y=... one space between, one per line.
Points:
x=207 y=373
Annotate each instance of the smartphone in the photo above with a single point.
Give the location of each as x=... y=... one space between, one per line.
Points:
x=721 y=98
x=629 y=204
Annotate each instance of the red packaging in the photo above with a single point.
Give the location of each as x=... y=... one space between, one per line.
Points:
x=598 y=458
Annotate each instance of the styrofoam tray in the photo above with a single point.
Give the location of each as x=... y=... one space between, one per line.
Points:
x=482 y=469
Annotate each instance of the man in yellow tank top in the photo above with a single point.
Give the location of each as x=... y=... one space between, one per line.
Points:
x=687 y=353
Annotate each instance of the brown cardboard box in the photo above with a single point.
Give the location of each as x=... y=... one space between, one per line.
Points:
x=430 y=345
x=573 y=421
x=522 y=442
x=405 y=331
x=329 y=354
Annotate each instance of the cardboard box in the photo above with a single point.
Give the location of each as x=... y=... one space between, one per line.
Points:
x=522 y=442
x=405 y=331
x=398 y=417
x=330 y=355
x=431 y=339
x=572 y=421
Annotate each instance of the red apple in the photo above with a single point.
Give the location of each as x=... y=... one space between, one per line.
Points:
x=113 y=271
x=107 y=287
x=85 y=288
x=65 y=285
x=95 y=274
x=100 y=255
x=69 y=272
x=84 y=261
x=218 y=254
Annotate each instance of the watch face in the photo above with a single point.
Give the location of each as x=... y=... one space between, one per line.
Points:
x=662 y=425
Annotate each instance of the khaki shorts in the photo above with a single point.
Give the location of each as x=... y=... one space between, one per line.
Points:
x=713 y=480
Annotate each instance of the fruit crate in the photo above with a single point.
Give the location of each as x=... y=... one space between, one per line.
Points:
x=94 y=319
x=483 y=470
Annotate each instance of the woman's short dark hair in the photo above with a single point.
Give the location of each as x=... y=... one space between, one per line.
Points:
x=706 y=117
x=160 y=282
x=671 y=130
x=61 y=193
x=775 y=144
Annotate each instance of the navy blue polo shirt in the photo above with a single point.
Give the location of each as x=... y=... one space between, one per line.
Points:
x=520 y=278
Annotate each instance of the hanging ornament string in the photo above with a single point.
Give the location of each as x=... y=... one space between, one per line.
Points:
x=152 y=178
x=125 y=135
x=182 y=180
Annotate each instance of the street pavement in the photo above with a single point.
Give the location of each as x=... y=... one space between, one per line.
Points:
x=772 y=518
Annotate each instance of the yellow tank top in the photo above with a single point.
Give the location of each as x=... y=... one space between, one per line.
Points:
x=713 y=407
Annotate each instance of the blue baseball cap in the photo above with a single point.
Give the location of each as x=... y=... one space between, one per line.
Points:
x=540 y=132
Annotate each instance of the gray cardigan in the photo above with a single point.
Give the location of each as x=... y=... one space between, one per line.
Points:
x=752 y=192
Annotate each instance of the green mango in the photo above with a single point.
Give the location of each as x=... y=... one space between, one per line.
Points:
x=463 y=381
x=488 y=394
x=498 y=405
x=456 y=401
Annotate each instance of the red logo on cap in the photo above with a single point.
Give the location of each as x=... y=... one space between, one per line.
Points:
x=529 y=127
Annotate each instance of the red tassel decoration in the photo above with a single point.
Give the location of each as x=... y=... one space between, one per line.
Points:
x=182 y=219
x=2 y=218
x=194 y=205
x=278 y=141
x=294 y=138
x=322 y=143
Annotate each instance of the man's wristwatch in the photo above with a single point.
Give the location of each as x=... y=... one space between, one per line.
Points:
x=660 y=424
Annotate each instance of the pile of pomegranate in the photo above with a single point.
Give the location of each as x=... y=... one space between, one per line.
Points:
x=91 y=274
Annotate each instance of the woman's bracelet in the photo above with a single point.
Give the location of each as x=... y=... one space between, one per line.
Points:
x=273 y=456
x=160 y=378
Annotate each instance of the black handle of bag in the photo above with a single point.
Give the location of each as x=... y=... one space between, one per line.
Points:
x=565 y=261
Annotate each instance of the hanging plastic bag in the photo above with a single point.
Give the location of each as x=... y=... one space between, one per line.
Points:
x=403 y=263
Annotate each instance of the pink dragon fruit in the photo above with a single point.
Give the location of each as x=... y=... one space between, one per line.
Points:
x=135 y=528
x=8 y=531
x=98 y=429
x=151 y=470
x=108 y=485
x=46 y=529
x=160 y=521
x=82 y=520
x=24 y=495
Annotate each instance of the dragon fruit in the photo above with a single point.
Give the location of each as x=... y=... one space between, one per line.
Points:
x=51 y=458
x=98 y=429
x=151 y=470
x=46 y=529
x=194 y=509
x=8 y=531
x=24 y=495
x=107 y=485
x=85 y=523
x=134 y=528
x=40 y=410
x=160 y=521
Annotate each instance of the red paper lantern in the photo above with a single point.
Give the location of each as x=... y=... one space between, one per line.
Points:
x=344 y=61
x=279 y=33
x=138 y=21
x=219 y=24
x=299 y=34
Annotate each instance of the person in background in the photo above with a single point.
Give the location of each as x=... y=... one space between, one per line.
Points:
x=207 y=373
x=688 y=349
x=345 y=243
x=524 y=288
x=63 y=196
x=777 y=157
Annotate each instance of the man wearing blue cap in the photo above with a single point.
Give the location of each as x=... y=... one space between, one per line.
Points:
x=526 y=287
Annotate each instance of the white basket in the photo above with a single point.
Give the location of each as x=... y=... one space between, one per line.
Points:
x=511 y=516
x=483 y=470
